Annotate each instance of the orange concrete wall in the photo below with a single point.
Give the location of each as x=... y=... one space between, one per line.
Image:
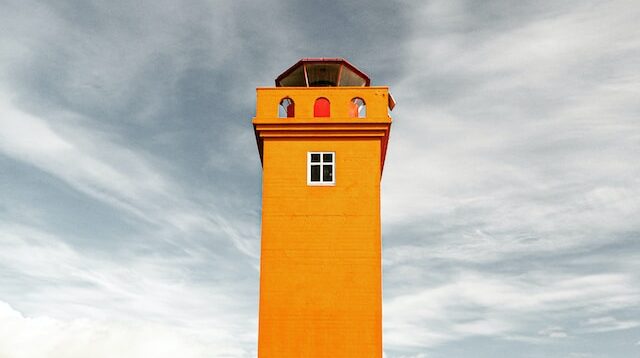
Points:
x=320 y=278
x=320 y=268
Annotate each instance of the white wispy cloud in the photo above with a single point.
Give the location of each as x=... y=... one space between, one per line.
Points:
x=517 y=141
x=608 y=324
x=553 y=332
x=524 y=112
x=501 y=306
x=110 y=172
x=40 y=337
x=72 y=290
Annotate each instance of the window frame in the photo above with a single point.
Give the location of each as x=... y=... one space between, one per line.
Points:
x=321 y=164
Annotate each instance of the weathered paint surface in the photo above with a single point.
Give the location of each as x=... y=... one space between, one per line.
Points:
x=320 y=273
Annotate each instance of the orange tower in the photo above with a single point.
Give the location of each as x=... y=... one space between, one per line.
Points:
x=322 y=134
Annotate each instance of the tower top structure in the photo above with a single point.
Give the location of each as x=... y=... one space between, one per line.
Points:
x=323 y=72
x=323 y=97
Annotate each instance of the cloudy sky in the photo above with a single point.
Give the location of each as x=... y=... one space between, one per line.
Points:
x=130 y=179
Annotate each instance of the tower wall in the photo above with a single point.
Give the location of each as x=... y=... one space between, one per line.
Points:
x=320 y=282
x=320 y=267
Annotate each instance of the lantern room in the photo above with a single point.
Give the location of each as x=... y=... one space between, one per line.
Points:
x=323 y=72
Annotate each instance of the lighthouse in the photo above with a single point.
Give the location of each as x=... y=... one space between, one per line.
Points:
x=322 y=135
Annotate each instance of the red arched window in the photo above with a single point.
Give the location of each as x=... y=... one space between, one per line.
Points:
x=322 y=108
x=287 y=108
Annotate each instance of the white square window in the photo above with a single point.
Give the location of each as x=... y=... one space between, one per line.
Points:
x=321 y=168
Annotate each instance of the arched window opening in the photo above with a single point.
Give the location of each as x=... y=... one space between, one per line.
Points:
x=322 y=108
x=357 y=108
x=286 y=109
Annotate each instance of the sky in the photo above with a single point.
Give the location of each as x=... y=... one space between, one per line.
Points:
x=130 y=180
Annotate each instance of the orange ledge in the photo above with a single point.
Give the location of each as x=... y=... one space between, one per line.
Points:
x=280 y=128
